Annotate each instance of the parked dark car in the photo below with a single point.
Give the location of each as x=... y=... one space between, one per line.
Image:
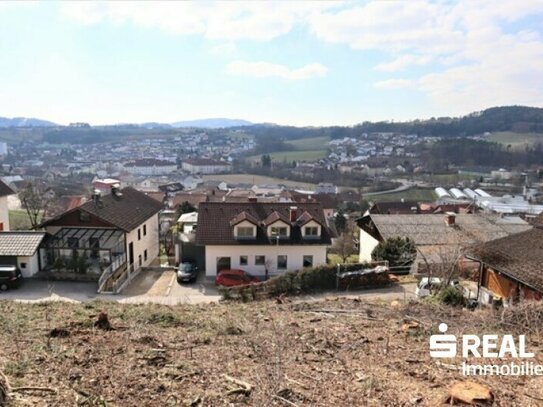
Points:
x=187 y=272
x=231 y=278
x=10 y=277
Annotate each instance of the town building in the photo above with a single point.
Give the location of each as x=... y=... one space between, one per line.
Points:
x=117 y=234
x=262 y=238
x=205 y=166
x=439 y=238
x=150 y=166
x=510 y=268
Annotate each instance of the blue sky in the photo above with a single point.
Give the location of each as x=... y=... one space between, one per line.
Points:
x=295 y=63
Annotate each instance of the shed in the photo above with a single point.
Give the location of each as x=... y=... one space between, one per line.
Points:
x=21 y=249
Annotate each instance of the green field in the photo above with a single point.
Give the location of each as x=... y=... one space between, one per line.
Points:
x=312 y=143
x=18 y=220
x=306 y=155
x=516 y=140
x=305 y=149
x=414 y=194
x=256 y=180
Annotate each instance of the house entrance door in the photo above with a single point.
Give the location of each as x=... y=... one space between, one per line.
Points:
x=223 y=263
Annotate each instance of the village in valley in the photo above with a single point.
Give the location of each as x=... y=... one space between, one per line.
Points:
x=271 y=204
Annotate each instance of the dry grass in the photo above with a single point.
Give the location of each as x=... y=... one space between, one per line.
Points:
x=328 y=353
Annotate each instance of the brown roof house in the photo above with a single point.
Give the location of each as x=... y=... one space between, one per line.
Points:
x=439 y=238
x=511 y=268
x=116 y=234
x=262 y=237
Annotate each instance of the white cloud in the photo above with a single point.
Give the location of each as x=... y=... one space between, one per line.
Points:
x=224 y=49
x=260 y=69
x=402 y=62
x=227 y=21
x=393 y=84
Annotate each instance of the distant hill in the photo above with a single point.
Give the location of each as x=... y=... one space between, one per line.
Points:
x=25 y=122
x=212 y=123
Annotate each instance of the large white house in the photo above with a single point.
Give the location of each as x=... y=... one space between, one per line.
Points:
x=150 y=166
x=205 y=166
x=261 y=237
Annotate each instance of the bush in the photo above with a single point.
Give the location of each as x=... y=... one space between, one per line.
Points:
x=451 y=296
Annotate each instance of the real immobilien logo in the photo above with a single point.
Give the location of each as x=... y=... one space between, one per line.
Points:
x=485 y=347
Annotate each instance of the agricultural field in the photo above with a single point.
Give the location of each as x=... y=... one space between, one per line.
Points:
x=413 y=194
x=304 y=155
x=305 y=149
x=284 y=353
x=256 y=180
x=311 y=143
x=516 y=140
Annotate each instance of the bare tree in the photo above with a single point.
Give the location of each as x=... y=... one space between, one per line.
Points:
x=35 y=201
x=344 y=246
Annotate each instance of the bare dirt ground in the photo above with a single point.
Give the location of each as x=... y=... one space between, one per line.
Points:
x=340 y=352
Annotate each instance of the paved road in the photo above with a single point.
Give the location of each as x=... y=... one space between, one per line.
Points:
x=169 y=294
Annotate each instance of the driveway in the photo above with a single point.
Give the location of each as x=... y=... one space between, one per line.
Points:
x=163 y=288
x=39 y=290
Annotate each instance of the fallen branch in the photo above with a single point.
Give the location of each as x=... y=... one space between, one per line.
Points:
x=533 y=397
x=284 y=400
x=30 y=388
x=245 y=388
x=448 y=366
x=343 y=311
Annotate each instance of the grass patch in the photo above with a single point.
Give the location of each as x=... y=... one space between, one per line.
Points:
x=305 y=155
x=18 y=220
x=516 y=140
x=414 y=194
x=256 y=180
x=311 y=143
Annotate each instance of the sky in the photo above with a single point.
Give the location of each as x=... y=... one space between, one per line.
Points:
x=299 y=63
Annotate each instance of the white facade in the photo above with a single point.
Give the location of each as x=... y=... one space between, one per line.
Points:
x=4 y=214
x=367 y=244
x=28 y=265
x=151 y=169
x=145 y=242
x=295 y=256
x=205 y=168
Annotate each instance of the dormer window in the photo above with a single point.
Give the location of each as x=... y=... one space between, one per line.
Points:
x=311 y=231
x=245 y=232
x=278 y=231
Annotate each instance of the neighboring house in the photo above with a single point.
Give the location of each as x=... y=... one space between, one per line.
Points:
x=118 y=233
x=191 y=182
x=5 y=192
x=395 y=208
x=438 y=238
x=150 y=166
x=326 y=188
x=171 y=188
x=185 y=249
x=205 y=166
x=21 y=249
x=104 y=185
x=187 y=222
x=262 y=238
x=511 y=268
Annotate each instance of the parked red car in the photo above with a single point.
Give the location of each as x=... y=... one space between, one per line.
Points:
x=230 y=278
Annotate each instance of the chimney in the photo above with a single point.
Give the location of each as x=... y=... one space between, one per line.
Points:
x=116 y=191
x=450 y=218
x=292 y=213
